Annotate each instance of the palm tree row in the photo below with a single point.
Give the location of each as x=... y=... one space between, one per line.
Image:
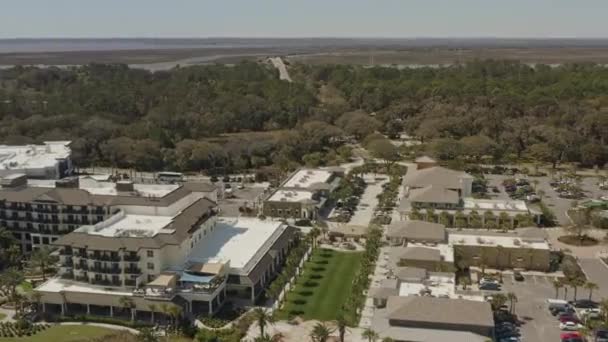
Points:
x=362 y=280
x=290 y=269
x=574 y=283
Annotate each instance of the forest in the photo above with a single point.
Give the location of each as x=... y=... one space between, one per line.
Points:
x=219 y=118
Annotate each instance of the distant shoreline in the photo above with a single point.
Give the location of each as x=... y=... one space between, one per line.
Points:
x=162 y=54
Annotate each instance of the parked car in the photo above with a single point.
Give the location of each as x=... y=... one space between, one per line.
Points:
x=489 y=286
x=518 y=276
x=571 y=336
x=601 y=335
x=584 y=304
x=570 y=326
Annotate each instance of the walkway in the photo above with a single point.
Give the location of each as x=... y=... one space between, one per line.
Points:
x=103 y=325
x=280 y=65
x=9 y=313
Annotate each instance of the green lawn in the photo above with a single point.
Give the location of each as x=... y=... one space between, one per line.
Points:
x=324 y=285
x=63 y=333
x=2 y=316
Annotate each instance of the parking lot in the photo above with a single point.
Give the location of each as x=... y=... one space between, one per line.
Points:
x=558 y=205
x=538 y=325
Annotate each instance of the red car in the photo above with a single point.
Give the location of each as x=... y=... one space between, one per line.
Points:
x=571 y=336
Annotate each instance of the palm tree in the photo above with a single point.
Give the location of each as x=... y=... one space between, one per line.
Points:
x=370 y=335
x=152 y=308
x=175 y=311
x=263 y=318
x=575 y=283
x=128 y=304
x=489 y=220
x=341 y=326
x=267 y=338
x=591 y=286
x=320 y=333
x=314 y=234
x=557 y=284
x=42 y=258
x=512 y=300
x=604 y=307
x=464 y=281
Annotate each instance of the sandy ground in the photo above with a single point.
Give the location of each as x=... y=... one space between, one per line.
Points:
x=301 y=332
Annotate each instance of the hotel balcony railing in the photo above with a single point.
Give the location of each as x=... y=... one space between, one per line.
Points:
x=67 y=275
x=105 y=282
x=157 y=293
x=82 y=279
x=65 y=251
x=83 y=267
x=104 y=257
x=131 y=257
x=107 y=270
x=132 y=270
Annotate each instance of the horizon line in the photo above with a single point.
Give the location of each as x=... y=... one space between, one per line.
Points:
x=313 y=37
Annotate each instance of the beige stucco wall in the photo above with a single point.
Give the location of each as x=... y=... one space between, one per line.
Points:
x=502 y=258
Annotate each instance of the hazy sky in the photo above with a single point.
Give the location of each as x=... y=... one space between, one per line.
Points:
x=304 y=18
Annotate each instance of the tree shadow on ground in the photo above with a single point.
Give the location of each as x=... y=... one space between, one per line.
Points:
x=316 y=276
x=299 y=301
x=318 y=269
x=322 y=262
x=305 y=293
x=311 y=284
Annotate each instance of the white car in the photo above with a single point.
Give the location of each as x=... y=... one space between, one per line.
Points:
x=570 y=326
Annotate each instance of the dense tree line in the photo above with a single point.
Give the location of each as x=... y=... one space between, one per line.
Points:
x=225 y=118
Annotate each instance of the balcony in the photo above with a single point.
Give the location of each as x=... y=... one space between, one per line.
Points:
x=105 y=282
x=132 y=270
x=83 y=279
x=104 y=257
x=83 y=267
x=67 y=275
x=66 y=252
x=67 y=263
x=130 y=282
x=106 y=270
x=131 y=257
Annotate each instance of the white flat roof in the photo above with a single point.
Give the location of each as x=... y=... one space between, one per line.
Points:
x=33 y=156
x=122 y=225
x=496 y=205
x=438 y=285
x=97 y=187
x=59 y=285
x=290 y=196
x=491 y=240
x=241 y=241
x=305 y=178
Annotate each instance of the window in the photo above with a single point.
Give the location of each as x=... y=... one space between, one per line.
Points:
x=150 y=254
x=45 y=240
x=36 y=240
x=150 y=266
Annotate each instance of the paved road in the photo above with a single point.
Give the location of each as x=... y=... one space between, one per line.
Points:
x=278 y=63
x=597 y=272
x=365 y=209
